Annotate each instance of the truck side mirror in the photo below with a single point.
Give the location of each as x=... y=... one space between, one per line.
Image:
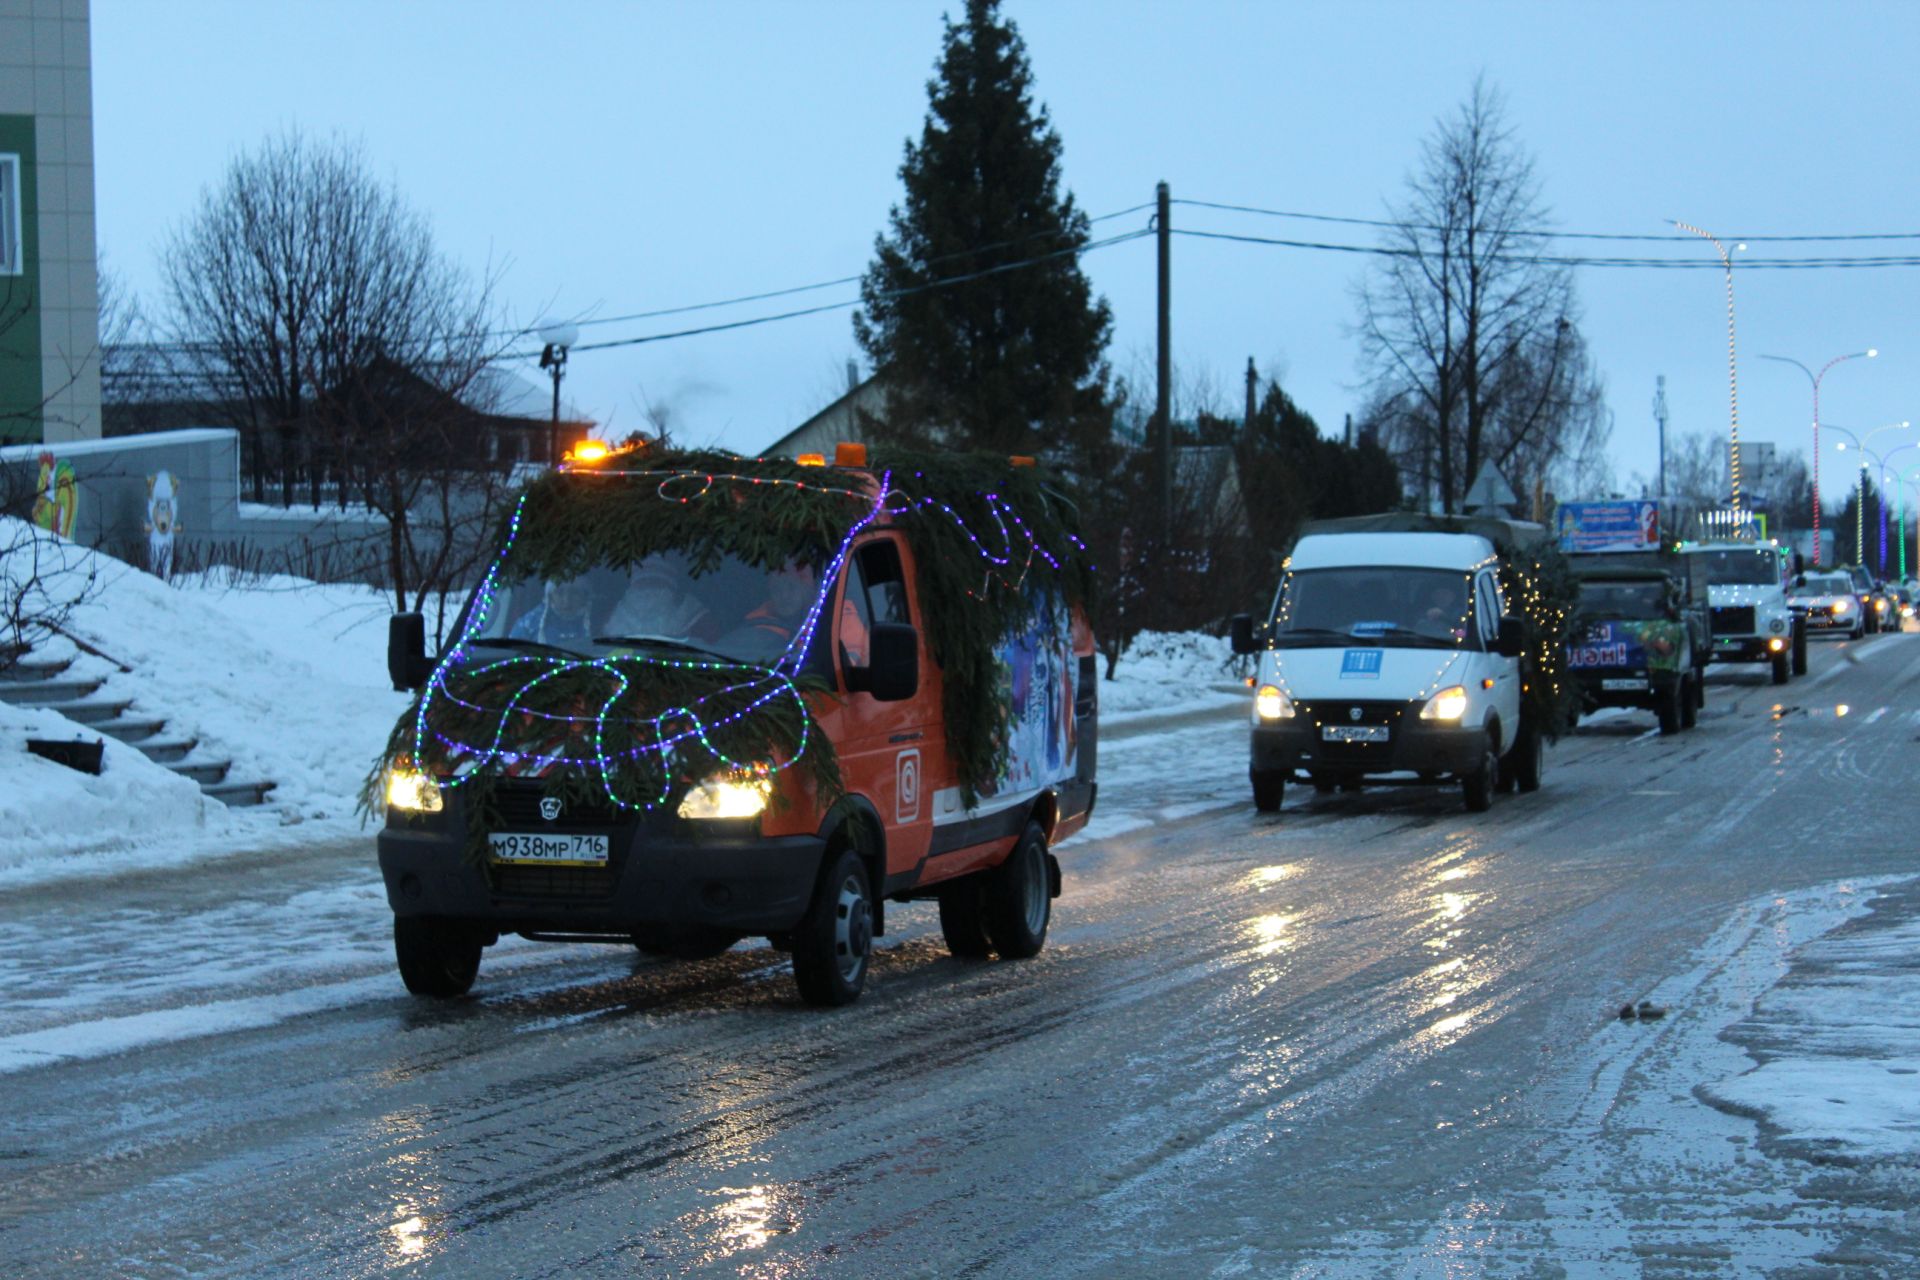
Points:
x=1512 y=640
x=1799 y=579
x=1240 y=633
x=407 y=664
x=893 y=662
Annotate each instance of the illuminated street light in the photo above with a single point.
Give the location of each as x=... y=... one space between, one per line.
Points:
x=1814 y=378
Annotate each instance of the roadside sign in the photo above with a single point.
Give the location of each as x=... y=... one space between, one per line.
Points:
x=1631 y=525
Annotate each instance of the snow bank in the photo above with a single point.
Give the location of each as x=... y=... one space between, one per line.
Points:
x=1167 y=671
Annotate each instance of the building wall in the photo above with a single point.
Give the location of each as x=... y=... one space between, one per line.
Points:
x=46 y=102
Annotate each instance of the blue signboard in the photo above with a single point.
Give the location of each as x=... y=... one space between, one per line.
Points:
x=1630 y=525
x=1361 y=664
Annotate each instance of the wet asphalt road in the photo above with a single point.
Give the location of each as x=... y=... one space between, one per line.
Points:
x=1371 y=1036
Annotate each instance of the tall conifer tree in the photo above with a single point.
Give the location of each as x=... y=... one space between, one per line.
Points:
x=1011 y=360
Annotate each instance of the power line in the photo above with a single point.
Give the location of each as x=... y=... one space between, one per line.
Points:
x=1576 y=260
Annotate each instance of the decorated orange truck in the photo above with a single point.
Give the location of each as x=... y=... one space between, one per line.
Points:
x=698 y=698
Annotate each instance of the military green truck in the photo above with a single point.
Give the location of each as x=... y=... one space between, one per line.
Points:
x=1641 y=635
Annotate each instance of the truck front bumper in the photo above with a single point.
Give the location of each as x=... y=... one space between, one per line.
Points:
x=1749 y=648
x=1415 y=747
x=658 y=873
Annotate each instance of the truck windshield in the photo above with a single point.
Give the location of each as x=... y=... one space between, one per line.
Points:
x=1623 y=599
x=1388 y=605
x=732 y=610
x=1740 y=568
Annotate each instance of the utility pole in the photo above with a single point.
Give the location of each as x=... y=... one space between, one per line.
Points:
x=1660 y=416
x=1163 y=396
x=1246 y=428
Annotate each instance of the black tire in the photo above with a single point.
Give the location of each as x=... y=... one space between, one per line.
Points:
x=1799 y=647
x=689 y=943
x=1527 y=760
x=1269 y=789
x=1782 y=667
x=1700 y=684
x=1689 y=700
x=833 y=945
x=1669 y=708
x=438 y=957
x=963 y=919
x=1859 y=629
x=1017 y=897
x=1477 y=788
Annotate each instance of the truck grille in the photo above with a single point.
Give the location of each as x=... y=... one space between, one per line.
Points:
x=571 y=884
x=1732 y=619
x=518 y=805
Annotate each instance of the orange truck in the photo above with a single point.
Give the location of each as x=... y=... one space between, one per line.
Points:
x=699 y=698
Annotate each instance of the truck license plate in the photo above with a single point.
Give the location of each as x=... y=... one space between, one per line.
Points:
x=548 y=850
x=1353 y=733
x=1624 y=685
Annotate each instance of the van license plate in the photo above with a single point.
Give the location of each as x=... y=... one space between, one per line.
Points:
x=552 y=851
x=1621 y=686
x=1353 y=733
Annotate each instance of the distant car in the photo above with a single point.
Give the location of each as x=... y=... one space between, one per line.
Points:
x=1864 y=592
x=1903 y=601
x=1827 y=602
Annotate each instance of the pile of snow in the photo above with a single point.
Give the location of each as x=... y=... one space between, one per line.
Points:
x=1163 y=671
x=284 y=677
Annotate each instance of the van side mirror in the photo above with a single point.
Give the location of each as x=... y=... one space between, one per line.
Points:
x=892 y=673
x=1240 y=633
x=1511 y=642
x=407 y=663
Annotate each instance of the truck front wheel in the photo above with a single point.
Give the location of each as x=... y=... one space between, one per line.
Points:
x=1018 y=898
x=1269 y=789
x=1690 y=700
x=834 y=942
x=1782 y=667
x=437 y=957
x=1527 y=761
x=1668 y=708
x=1799 y=647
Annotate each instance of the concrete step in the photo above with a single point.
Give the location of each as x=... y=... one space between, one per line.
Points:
x=243 y=794
x=31 y=668
x=131 y=729
x=42 y=693
x=165 y=750
x=204 y=772
x=91 y=713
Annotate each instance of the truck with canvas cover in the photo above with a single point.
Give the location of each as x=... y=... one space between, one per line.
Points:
x=1641 y=637
x=1404 y=648
x=1748 y=612
x=698 y=698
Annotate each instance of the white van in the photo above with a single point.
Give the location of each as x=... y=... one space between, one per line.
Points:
x=1389 y=657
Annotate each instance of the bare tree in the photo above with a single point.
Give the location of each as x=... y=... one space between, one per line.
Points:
x=1469 y=338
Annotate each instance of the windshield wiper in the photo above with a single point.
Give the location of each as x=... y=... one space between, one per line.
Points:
x=663 y=642
x=512 y=642
x=1304 y=633
x=1407 y=633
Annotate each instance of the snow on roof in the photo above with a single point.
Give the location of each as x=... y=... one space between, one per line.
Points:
x=1415 y=550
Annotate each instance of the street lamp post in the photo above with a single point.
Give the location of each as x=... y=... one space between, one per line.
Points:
x=1733 y=391
x=558 y=337
x=1814 y=378
x=1860 y=501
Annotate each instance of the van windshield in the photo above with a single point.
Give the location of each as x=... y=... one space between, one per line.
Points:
x=1383 y=604
x=1740 y=568
x=732 y=610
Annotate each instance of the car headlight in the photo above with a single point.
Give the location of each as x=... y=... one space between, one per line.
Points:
x=1880 y=604
x=1841 y=606
x=1448 y=704
x=1777 y=625
x=741 y=794
x=411 y=791
x=1271 y=704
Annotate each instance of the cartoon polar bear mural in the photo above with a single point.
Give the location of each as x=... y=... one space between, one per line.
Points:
x=162 y=522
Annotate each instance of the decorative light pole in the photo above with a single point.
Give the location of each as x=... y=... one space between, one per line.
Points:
x=1733 y=390
x=1860 y=501
x=1814 y=378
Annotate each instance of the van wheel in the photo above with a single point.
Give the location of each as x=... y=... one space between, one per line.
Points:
x=1018 y=900
x=438 y=957
x=834 y=941
x=1782 y=667
x=1477 y=788
x=963 y=919
x=1269 y=788
x=1799 y=647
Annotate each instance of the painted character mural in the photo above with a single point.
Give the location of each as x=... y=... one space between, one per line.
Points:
x=56 y=502
x=163 y=519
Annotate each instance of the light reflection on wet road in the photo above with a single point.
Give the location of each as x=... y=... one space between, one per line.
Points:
x=1371 y=1036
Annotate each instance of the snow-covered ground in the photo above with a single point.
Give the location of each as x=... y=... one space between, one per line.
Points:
x=289 y=679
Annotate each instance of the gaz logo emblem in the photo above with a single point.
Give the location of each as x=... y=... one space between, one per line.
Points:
x=906 y=795
x=1353 y=713
x=550 y=807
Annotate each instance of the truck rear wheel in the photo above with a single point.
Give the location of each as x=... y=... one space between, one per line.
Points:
x=1690 y=700
x=1018 y=898
x=963 y=920
x=1668 y=708
x=1799 y=647
x=1477 y=788
x=1527 y=761
x=834 y=941
x=1269 y=789
x=437 y=957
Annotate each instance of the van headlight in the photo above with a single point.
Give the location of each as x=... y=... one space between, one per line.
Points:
x=1271 y=704
x=412 y=791
x=1448 y=704
x=739 y=794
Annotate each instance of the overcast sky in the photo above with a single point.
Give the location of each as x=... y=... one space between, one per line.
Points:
x=615 y=158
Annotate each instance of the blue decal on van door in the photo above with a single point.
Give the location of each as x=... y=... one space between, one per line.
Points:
x=1361 y=664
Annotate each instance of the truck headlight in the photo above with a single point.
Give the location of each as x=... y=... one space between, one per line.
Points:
x=741 y=794
x=411 y=791
x=1448 y=704
x=1271 y=704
